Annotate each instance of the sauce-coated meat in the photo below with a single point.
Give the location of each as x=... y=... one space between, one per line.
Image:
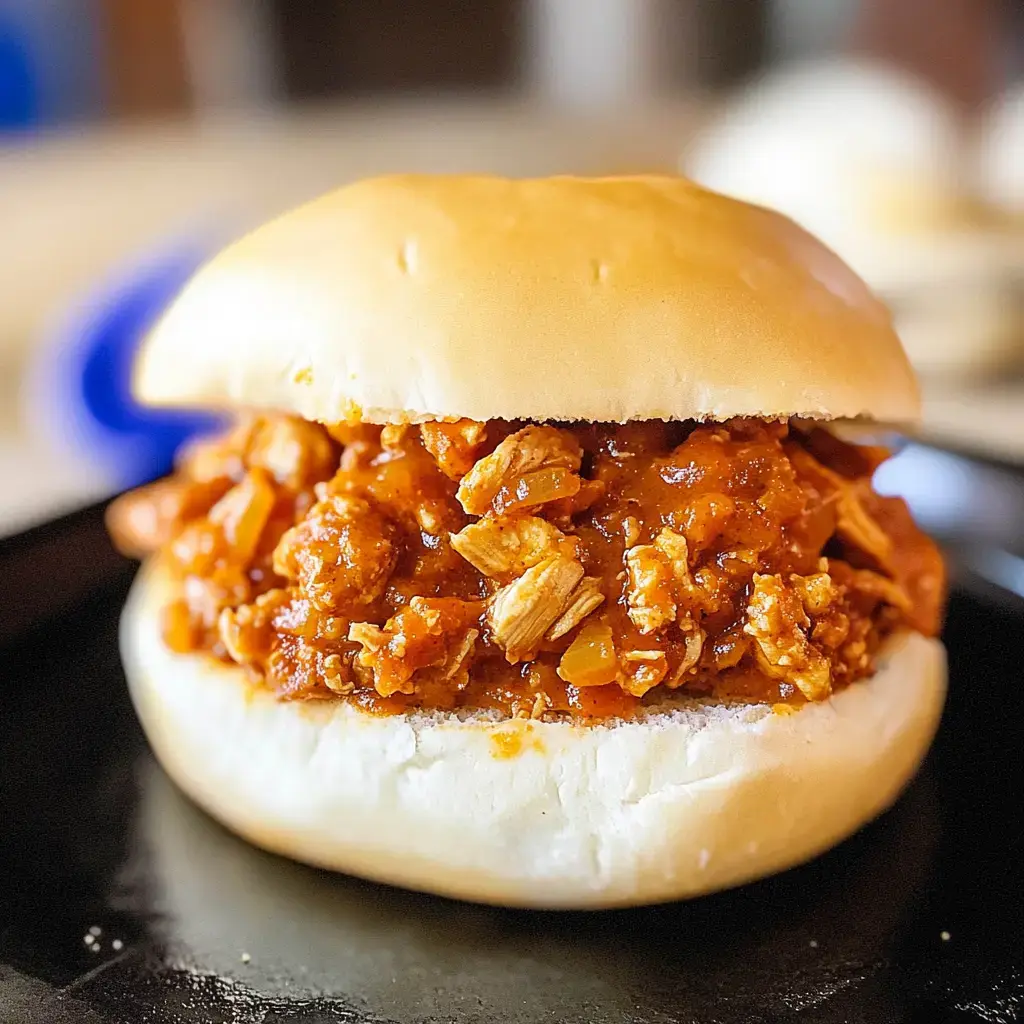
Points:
x=537 y=569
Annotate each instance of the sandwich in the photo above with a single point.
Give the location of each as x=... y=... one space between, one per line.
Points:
x=534 y=568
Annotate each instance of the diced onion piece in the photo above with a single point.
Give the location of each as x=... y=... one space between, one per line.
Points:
x=243 y=512
x=590 y=659
x=643 y=674
x=547 y=484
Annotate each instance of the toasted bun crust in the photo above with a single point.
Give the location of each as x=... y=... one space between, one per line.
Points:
x=416 y=297
x=533 y=814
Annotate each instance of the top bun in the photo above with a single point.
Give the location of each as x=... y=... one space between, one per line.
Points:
x=407 y=298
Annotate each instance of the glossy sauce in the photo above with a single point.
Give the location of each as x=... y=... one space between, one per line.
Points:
x=748 y=496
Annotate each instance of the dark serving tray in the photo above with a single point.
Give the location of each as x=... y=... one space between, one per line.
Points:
x=121 y=902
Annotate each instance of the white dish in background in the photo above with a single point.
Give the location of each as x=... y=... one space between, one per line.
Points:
x=875 y=163
x=1000 y=166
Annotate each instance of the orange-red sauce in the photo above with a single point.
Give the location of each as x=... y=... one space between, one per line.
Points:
x=751 y=498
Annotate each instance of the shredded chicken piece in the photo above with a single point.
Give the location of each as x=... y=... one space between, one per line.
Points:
x=707 y=515
x=881 y=587
x=445 y=619
x=522 y=612
x=247 y=631
x=649 y=588
x=340 y=555
x=777 y=622
x=392 y=435
x=587 y=596
x=334 y=676
x=299 y=617
x=294 y=452
x=541 y=703
x=194 y=616
x=534 y=465
x=509 y=545
x=815 y=591
x=831 y=630
x=456 y=666
x=710 y=590
x=690 y=592
x=674 y=547
x=297 y=666
x=644 y=670
x=369 y=663
x=428 y=520
x=855 y=526
x=454 y=445
x=694 y=640
x=429 y=635
x=277 y=630
x=371 y=638
x=693 y=637
x=853 y=523
x=660 y=583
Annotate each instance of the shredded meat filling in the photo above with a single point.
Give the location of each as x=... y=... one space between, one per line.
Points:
x=538 y=569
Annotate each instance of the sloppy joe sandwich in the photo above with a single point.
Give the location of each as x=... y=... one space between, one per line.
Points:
x=533 y=570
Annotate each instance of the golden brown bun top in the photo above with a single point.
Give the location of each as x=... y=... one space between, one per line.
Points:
x=419 y=297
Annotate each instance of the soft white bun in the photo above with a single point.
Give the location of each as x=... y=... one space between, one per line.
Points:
x=578 y=816
x=415 y=297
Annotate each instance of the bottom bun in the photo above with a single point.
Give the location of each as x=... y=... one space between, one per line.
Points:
x=533 y=814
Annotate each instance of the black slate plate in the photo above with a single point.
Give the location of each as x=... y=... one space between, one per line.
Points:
x=120 y=902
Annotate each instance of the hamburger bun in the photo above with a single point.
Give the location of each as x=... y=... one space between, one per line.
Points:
x=693 y=798
x=410 y=298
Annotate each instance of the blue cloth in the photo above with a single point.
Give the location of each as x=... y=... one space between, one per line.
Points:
x=18 y=92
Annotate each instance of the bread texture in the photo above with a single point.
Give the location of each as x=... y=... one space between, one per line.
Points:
x=693 y=798
x=409 y=298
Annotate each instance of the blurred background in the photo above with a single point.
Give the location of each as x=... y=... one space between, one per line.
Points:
x=138 y=135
